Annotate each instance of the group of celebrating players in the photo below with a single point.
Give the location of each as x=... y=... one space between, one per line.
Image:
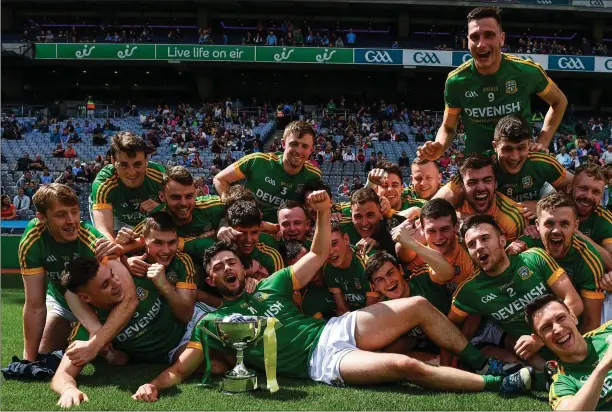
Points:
x=496 y=281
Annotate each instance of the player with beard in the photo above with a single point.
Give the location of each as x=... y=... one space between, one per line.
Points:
x=557 y=224
x=490 y=85
x=425 y=178
x=50 y=241
x=506 y=284
x=521 y=175
x=275 y=177
x=341 y=350
x=128 y=188
x=152 y=334
x=344 y=274
x=366 y=227
x=313 y=300
x=595 y=221
x=585 y=362
x=479 y=185
x=193 y=216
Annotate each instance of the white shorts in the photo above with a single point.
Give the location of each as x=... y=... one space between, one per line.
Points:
x=199 y=310
x=337 y=339
x=488 y=333
x=54 y=307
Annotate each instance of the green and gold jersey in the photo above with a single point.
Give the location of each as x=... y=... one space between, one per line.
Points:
x=537 y=170
x=571 y=377
x=109 y=192
x=484 y=99
x=505 y=296
x=317 y=302
x=347 y=226
x=267 y=179
x=296 y=337
x=582 y=264
x=181 y=272
x=207 y=213
x=267 y=257
x=407 y=203
x=151 y=333
x=598 y=226
x=352 y=282
x=40 y=252
x=195 y=247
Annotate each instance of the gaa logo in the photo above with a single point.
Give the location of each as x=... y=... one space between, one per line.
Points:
x=426 y=58
x=372 y=56
x=488 y=298
x=527 y=182
x=608 y=64
x=470 y=93
x=260 y=296
x=141 y=293
x=597 y=3
x=571 y=63
x=270 y=180
x=544 y=2
x=172 y=277
x=524 y=272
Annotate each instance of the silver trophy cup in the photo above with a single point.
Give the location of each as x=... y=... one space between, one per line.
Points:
x=239 y=335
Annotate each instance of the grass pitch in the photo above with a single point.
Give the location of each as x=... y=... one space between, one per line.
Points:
x=110 y=388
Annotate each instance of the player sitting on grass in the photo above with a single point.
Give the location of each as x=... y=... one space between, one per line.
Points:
x=506 y=284
x=584 y=368
x=339 y=351
x=153 y=333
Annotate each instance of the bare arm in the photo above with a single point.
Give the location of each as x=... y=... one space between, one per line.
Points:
x=34 y=314
x=446 y=132
x=562 y=185
x=83 y=312
x=340 y=301
x=591 y=316
x=224 y=179
x=64 y=383
x=558 y=103
x=306 y=268
x=181 y=301
x=564 y=289
x=105 y=223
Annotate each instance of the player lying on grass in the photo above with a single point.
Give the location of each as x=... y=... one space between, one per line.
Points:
x=339 y=351
x=153 y=334
x=584 y=378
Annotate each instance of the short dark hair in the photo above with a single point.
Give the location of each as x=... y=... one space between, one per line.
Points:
x=593 y=170
x=299 y=128
x=418 y=161
x=314 y=185
x=161 y=221
x=364 y=195
x=512 y=128
x=290 y=249
x=391 y=168
x=538 y=304
x=129 y=143
x=222 y=246
x=476 y=220
x=336 y=227
x=377 y=260
x=235 y=193
x=554 y=201
x=483 y=13
x=179 y=174
x=437 y=208
x=78 y=272
x=474 y=161
x=243 y=213
x=292 y=204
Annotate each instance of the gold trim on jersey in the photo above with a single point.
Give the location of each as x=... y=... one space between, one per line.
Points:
x=26 y=243
x=273 y=253
x=460 y=68
x=105 y=187
x=195 y=345
x=189 y=268
x=540 y=157
x=154 y=175
x=74 y=330
x=594 y=263
x=598 y=330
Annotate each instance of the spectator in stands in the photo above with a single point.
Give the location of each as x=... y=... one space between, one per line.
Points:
x=184 y=161
x=339 y=42
x=348 y=156
x=172 y=161
x=351 y=38
x=606 y=157
x=564 y=158
x=21 y=201
x=356 y=184
x=70 y=152
x=24 y=162
x=46 y=178
x=271 y=39
x=196 y=161
x=337 y=156
x=24 y=180
x=360 y=158
x=580 y=130
x=344 y=189
x=37 y=163
x=30 y=188
x=77 y=166
x=66 y=177
x=228 y=159
x=83 y=174
x=403 y=161
x=371 y=164
x=58 y=151
x=9 y=211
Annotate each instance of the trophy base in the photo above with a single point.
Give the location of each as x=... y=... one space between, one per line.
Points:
x=236 y=385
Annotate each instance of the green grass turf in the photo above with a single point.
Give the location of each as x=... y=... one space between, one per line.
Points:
x=109 y=388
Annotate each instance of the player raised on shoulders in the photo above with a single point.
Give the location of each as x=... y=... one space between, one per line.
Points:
x=490 y=85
